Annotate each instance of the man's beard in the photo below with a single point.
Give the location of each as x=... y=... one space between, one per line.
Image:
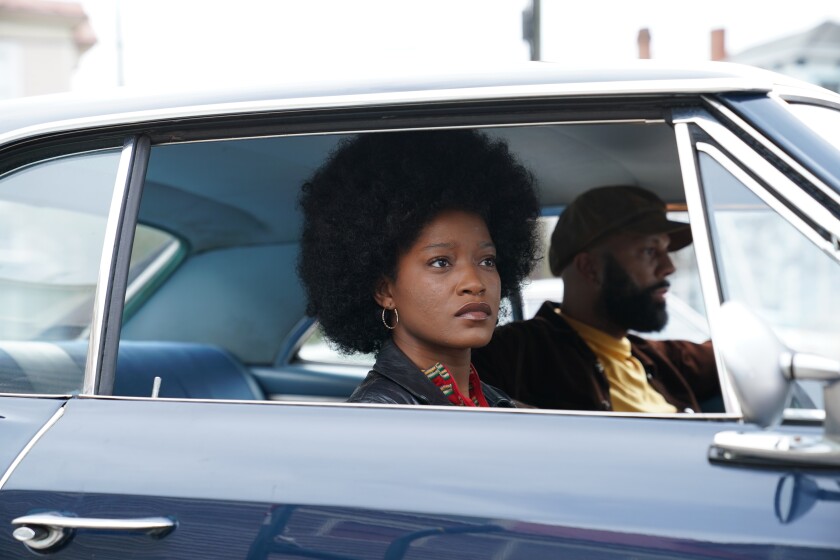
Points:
x=628 y=305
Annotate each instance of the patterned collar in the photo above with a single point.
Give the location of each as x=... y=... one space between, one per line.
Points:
x=440 y=376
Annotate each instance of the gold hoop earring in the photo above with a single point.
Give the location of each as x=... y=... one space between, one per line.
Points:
x=385 y=322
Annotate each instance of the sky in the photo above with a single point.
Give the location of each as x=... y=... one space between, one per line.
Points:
x=183 y=43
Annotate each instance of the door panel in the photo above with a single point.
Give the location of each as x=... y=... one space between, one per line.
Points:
x=20 y=420
x=352 y=481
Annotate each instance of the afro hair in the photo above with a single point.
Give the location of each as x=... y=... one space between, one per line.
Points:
x=368 y=203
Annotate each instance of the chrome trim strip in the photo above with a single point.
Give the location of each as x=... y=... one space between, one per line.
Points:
x=775 y=150
x=773 y=177
x=23 y=452
x=817 y=96
x=700 y=416
x=487 y=125
x=500 y=93
x=103 y=283
x=774 y=203
x=152 y=270
x=114 y=254
x=704 y=253
x=815 y=415
x=121 y=263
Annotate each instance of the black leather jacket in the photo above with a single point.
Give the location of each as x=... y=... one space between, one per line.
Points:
x=394 y=379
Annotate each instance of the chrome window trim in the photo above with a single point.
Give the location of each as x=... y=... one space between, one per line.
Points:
x=703 y=249
x=766 y=143
x=697 y=417
x=107 y=310
x=778 y=181
x=159 y=263
x=471 y=126
x=390 y=99
x=818 y=96
x=23 y=452
x=757 y=189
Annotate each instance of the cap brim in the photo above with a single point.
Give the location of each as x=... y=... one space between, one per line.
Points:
x=679 y=232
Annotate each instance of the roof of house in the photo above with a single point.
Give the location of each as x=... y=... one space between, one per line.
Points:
x=822 y=40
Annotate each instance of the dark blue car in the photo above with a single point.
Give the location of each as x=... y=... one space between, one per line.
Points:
x=164 y=395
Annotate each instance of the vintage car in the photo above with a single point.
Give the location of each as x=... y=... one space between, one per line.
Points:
x=164 y=395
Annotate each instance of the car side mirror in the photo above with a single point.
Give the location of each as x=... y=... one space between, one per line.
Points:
x=762 y=370
x=757 y=362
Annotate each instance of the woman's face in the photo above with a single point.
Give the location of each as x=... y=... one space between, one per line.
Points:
x=446 y=291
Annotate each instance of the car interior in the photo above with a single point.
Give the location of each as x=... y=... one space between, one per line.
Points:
x=214 y=306
x=232 y=208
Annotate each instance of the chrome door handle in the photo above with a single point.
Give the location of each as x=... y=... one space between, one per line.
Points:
x=42 y=531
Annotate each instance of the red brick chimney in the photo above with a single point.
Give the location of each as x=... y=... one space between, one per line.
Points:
x=644 y=42
x=718 y=44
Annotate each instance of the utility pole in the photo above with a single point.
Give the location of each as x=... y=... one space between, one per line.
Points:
x=119 y=38
x=531 y=28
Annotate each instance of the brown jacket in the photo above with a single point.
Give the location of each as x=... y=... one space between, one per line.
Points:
x=543 y=362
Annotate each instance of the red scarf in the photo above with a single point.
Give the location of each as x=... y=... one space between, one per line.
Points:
x=440 y=376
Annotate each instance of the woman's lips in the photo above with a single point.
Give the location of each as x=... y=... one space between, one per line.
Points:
x=474 y=311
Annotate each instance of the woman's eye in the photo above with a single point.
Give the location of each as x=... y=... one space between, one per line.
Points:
x=489 y=262
x=439 y=262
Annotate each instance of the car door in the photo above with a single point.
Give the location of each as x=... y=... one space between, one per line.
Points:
x=173 y=477
x=53 y=212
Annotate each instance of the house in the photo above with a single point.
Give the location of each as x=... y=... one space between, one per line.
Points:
x=812 y=56
x=40 y=45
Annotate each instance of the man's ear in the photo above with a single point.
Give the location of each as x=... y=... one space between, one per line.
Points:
x=588 y=266
x=382 y=294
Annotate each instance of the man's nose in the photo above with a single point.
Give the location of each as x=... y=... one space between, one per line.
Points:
x=666 y=265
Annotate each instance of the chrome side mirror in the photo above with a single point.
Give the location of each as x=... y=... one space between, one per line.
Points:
x=762 y=369
x=758 y=364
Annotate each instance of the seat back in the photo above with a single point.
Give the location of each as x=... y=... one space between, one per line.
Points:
x=187 y=370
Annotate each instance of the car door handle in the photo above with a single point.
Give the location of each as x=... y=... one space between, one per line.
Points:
x=43 y=531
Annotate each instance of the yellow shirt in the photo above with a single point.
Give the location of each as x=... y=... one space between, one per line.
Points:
x=629 y=389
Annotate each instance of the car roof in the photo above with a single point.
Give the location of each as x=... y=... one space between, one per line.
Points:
x=32 y=114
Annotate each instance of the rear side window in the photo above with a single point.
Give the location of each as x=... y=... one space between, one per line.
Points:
x=52 y=228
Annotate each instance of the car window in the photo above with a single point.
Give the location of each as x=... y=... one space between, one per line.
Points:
x=225 y=215
x=53 y=217
x=766 y=263
x=824 y=121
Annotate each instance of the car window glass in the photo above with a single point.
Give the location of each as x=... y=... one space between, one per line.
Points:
x=766 y=263
x=316 y=348
x=53 y=217
x=154 y=254
x=214 y=304
x=823 y=120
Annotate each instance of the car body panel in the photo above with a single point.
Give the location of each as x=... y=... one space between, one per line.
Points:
x=593 y=473
x=20 y=420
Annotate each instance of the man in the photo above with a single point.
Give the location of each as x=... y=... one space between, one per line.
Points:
x=611 y=247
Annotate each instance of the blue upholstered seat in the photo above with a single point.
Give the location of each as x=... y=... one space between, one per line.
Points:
x=187 y=370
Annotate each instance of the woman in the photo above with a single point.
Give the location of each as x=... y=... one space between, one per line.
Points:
x=409 y=241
